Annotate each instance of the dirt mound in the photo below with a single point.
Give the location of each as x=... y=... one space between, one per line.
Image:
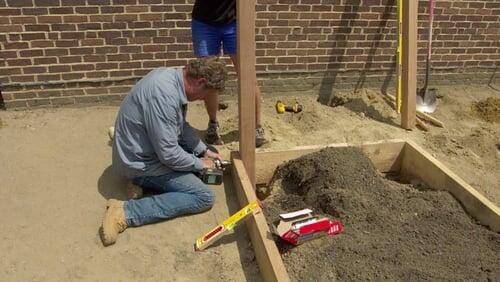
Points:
x=392 y=231
x=488 y=109
x=365 y=101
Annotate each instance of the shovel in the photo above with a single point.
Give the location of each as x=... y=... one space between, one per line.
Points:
x=426 y=97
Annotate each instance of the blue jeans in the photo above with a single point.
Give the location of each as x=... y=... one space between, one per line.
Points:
x=208 y=39
x=182 y=193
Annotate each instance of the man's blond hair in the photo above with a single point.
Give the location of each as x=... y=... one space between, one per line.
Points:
x=211 y=68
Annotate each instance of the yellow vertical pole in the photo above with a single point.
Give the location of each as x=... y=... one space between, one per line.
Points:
x=399 y=54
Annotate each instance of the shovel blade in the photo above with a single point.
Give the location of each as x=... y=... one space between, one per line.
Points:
x=426 y=100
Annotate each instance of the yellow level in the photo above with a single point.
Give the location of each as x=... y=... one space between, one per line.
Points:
x=227 y=225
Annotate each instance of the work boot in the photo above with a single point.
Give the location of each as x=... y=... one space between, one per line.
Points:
x=133 y=191
x=113 y=223
x=213 y=136
x=260 y=138
x=111 y=133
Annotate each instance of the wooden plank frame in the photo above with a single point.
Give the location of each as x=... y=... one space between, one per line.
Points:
x=409 y=65
x=247 y=83
x=405 y=157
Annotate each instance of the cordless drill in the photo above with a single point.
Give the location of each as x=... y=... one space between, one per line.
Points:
x=213 y=176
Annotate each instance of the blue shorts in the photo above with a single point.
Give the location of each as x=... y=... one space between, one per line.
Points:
x=208 y=39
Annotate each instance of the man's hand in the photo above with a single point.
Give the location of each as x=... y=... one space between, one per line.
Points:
x=208 y=163
x=212 y=155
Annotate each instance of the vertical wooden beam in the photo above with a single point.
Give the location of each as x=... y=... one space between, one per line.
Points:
x=246 y=83
x=409 y=84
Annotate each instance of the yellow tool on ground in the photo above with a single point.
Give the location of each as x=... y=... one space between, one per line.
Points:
x=281 y=107
x=227 y=225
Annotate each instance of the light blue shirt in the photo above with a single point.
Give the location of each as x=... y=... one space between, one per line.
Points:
x=152 y=136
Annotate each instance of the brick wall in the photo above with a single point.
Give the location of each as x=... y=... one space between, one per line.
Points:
x=56 y=52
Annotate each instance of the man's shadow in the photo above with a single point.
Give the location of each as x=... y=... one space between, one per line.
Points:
x=111 y=185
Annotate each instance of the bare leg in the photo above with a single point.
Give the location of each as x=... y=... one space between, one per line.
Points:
x=212 y=104
x=258 y=95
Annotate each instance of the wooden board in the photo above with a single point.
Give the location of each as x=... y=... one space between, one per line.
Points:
x=409 y=72
x=246 y=83
x=268 y=257
x=385 y=155
x=417 y=163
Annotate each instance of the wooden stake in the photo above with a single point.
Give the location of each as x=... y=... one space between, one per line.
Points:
x=409 y=84
x=421 y=124
x=430 y=119
x=246 y=84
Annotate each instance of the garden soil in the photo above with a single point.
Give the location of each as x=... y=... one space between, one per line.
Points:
x=391 y=231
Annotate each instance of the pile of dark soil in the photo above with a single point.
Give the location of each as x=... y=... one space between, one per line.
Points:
x=488 y=109
x=392 y=231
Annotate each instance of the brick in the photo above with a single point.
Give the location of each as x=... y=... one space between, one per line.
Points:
x=42 y=3
x=38 y=102
x=89 y=26
x=140 y=9
x=22 y=78
x=118 y=58
x=86 y=10
x=97 y=74
x=45 y=60
x=87 y=99
x=10 y=12
x=83 y=67
x=24 y=95
x=8 y=54
x=72 y=92
x=73 y=35
x=94 y=58
x=105 y=66
x=33 y=36
x=61 y=11
x=35 y=11
x=114 y=26
x=34 y=70
x=125 y=18
x=49 y=19
x=112 y=9
x=31 y=53
x=15 y=104
x=122 y=73
x=37 y=27
x=48 y=77
x=81 y=51
x=19 y=62
x=56 y=52
x=75 y=19
x=111 y=98
x=106 y=50
x=42 y=44
x=19 y=3
x=11 y=28
x=59 y=68
x=9 y=71
x=60 y=101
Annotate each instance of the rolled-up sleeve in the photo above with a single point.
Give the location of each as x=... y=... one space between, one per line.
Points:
x=162 y=128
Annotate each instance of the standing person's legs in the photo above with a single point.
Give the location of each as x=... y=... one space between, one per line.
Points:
x=182 y=193
x=207 y=41
x=229 y=41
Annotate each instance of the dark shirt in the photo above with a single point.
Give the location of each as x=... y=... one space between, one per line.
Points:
x=215 y=12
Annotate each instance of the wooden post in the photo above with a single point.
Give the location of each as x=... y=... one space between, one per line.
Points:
x=246 y=84
x=409 y=84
